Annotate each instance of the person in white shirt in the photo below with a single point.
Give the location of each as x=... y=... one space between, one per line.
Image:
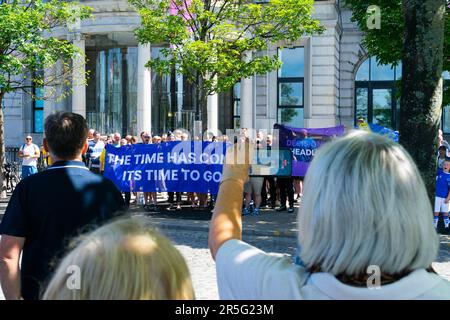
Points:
x=365 y=230
x=96 y=146
x=29 y=152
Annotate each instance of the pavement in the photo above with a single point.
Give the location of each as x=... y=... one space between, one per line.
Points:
x=268 y=223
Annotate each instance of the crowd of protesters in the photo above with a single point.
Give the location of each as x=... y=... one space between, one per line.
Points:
x=260 y=192
x=271 y=192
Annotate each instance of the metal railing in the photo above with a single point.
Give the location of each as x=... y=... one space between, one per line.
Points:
x=12 y=155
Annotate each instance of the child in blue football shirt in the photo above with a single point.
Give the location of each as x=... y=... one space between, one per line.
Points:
x=441 y=201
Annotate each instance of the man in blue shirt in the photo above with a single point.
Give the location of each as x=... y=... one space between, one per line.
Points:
x=47 y=209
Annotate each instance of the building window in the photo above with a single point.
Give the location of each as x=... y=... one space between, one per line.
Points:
x=236 y=99
x=376 y=93
x=445 y=123
x=111 y=104
x=38 y=110
x=290 y=85
x=377 y=98
x=173 y=100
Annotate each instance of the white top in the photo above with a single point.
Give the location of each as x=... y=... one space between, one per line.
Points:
x=29 y=150
x=247 y=273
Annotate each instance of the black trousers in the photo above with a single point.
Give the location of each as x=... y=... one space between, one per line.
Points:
x=127 y=198
x=286 y=186
x=272 y=191
x=171 y=194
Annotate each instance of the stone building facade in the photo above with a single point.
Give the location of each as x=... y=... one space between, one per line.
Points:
x=326 y=80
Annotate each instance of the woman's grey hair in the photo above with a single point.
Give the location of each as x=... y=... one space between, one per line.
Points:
x=365 y=204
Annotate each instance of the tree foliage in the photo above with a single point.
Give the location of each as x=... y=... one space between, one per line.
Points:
x=208 y=38
x=28 y=50
x=386 y=43
x=27 y=47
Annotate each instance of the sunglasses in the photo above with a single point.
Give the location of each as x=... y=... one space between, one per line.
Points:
x=28 y=139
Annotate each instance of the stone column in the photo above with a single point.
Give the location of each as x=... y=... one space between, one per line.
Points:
x=144 y=90
x=213 y=113
x=49 y=103
x=78 y=78
x=247 y=97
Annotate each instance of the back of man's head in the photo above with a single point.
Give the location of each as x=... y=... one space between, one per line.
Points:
x=66 y=134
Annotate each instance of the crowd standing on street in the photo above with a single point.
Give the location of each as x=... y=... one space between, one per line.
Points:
x=334 y=250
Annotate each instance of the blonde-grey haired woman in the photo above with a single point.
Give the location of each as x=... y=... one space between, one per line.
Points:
x=123 y=260
x=365 y=230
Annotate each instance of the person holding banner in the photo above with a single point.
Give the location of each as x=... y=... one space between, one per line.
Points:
x=358 y=201
x=146 y=139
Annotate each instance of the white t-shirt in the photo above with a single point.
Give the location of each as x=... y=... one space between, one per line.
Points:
x=247 y=273
x=29 y=150
x=95 y=152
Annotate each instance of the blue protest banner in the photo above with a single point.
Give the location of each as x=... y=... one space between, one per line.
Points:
x=180 y=166
x=303 y=143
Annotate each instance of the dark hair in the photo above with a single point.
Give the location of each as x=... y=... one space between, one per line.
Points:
x=442 y=148
x=66 y=134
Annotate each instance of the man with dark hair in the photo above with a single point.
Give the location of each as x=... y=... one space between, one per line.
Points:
x=47 y=209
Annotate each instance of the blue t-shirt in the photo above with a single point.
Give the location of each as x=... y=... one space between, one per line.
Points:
x=442 y=184
x=48 y=209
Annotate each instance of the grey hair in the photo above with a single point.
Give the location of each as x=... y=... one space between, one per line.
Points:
x=365 y=204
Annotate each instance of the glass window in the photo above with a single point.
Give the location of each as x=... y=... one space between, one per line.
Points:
x=381 y=72
x=237 y=122
x=362 y=103
x=382 y=107
x=290 y=94
x=446 y=119
x=292 y=117
x=38 y=121
x=290 y=87
x=398 y=71
x=363 y=71
x=376 y=87
x=173 y=99
x=38 y=110
x=237 y=105
x=446 y=75
x=293 y=62
x=111 y=93
x=237 y=91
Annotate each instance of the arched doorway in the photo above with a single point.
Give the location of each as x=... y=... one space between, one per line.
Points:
x=376 y=93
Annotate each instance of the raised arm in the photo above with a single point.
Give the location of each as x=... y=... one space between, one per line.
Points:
x=10 y=249
x=226 y=221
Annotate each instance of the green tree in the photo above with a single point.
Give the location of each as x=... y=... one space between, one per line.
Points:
x=413 y=31
x=209 y=38
x=28 y=49
x=386 y=43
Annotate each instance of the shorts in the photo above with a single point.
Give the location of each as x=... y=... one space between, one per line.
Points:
x=440 y=205
x=28 y=171
x=254 y=185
